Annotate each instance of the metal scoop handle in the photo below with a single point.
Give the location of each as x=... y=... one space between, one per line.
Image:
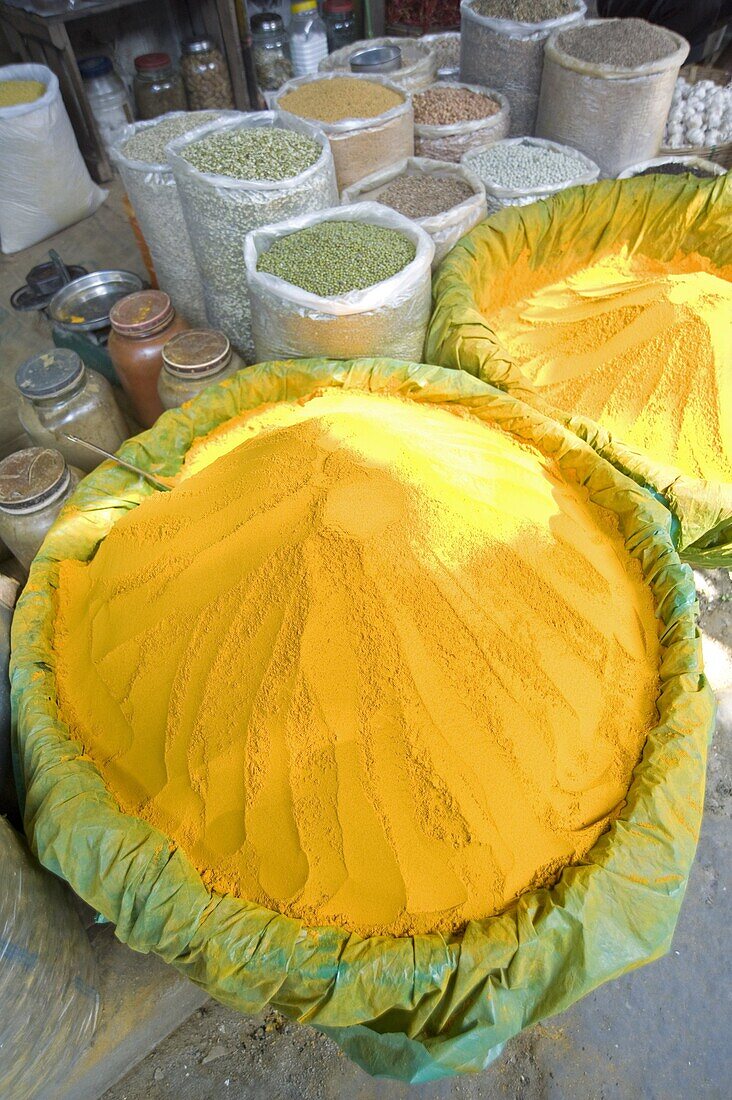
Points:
x=120 y=462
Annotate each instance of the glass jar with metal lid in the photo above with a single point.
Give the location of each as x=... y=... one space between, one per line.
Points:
x=158 y=86
x=270 y=50
x=34 y=485
x=142 y=324
x=206 y=76
x=61 y=395
x=340 y=24
x=192 y=361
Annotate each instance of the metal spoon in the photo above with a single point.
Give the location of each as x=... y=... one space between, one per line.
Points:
x=120 y=462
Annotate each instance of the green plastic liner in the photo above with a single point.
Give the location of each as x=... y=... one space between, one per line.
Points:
x=414 y=1008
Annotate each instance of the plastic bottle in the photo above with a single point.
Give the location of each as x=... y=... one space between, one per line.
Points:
x=107 y=97
x=308 y=38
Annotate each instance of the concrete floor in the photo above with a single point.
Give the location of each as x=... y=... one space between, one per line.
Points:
x=661 y=1033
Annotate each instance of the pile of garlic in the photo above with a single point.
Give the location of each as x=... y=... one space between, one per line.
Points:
x=701 y=114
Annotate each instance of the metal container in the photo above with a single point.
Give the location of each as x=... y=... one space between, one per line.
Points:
x=83 y=305
x=376 y=59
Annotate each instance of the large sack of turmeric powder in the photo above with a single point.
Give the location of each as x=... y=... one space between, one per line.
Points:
x=607 y=307
x=361 y=636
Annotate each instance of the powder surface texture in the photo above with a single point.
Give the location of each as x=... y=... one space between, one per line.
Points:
x=646 y=354
x=371 y=664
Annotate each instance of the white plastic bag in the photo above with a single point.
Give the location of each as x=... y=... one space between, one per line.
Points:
x=362 y=145
x=709 y=166
x=153 y=192
x=419 y=61
x=498 y=196
x=445 y=229
x=509 y=56
x=44 y=183
x=616 y=116
x=387 y=319
x=451 y=142
x=219 y=211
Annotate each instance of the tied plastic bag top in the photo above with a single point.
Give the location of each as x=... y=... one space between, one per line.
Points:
x=219 y=211
x=413 y=1007
x=419 y=61
x=452 y=140
x=446 y=228
x=153 y=193
x=391 y=316
x=44 y=183
x=509 y=56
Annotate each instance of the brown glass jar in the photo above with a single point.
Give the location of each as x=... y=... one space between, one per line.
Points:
x=142 y=323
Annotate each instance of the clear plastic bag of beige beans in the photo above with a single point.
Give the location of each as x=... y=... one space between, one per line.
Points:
x=419 y=61
x=219 y=211
x=446 y=228
x=362 y=145
x=450 y=142
x=614 y=115
x=509 y=57
x=387 y=319
x=153 y=193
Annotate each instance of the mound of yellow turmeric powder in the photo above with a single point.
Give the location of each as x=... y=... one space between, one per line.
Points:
x=370 y=664
x=644 y=351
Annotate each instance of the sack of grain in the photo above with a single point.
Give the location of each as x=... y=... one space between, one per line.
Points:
x=390 y=315
x=446 y=46
x=450 y=140
x=360 y=143
x=615 y=109
x=44 y=183
x=519 y=171
x=153 y=193
x=674 y=166
x=445 y=228
x=220 y=210
x=508 y=56
x=419 y=61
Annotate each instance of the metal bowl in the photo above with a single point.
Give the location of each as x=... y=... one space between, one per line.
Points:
x=376 y=59
x=83 y=305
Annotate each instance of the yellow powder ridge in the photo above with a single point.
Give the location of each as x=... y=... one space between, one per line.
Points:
x=370 y=663
x=646 y=353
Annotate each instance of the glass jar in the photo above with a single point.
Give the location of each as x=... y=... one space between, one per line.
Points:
x=340 y=24
x=270 y=51
x=107 y=97
x=206 y=76
x=158 y=86
x=61 y=395
x=34 y=485
x=192 y=361
x=308 y=40
x=142 y=323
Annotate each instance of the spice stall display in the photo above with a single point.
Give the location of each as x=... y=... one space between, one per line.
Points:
x=140 y=156
x=607 y=87
x=502 y=47
x=206 y=76
x=451 y=119
x=461 y=489
x=342 y=282
x=614 y=319
x=233 y=176
x=444 y=199
x=192 y=361
x=520 y=171
x=368 y=121
x=419 y=61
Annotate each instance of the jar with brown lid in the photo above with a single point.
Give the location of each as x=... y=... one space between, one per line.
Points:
x=142 y=323
x=34 y=485
x=192 y=361
x=61 y=396
x=157 y=85
x=206 y=76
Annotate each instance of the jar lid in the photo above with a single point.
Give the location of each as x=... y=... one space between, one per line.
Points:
x=198 y=45
x=89 y=67
x=141 y=313
x=30 y=478
x=333 y=7
x=152 y=61
x=265 y=21
x=303 y=5
x=49 y=374
x=197 y=351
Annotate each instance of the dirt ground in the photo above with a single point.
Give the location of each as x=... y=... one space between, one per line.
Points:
x=656 y=1034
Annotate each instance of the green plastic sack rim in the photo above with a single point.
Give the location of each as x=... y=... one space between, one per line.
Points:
x=415 y=1008
x=654 y=215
